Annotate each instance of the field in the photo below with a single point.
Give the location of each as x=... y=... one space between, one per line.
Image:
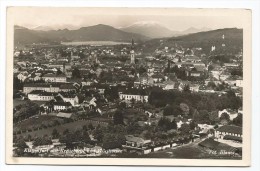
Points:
x=17 y=102
x=60 y=128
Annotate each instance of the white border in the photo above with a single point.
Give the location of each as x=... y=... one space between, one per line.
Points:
x=254 y=5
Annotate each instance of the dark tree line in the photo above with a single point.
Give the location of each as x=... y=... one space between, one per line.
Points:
x=200 y=101
x=25 y=111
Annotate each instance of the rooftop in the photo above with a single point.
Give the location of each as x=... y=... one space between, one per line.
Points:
x=230 y=129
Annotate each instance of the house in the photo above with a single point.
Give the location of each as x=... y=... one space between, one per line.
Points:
x=232 y=114
x=157 y=78
x=60 y=65
x=22 y=76
x=61 y=105
x=194 y=73
x=144 y=80
x=229 y=131
x=69 y=97
x=194 y=87
x=35 y=78
x=136 y=94
x=231 y=65
x=55 y=78
x=170 y=85
x=224 y=75
x=40 y=95
x=136 y=142
x=90 y=102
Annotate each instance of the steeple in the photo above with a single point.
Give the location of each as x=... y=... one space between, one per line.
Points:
x=132 y=52
x=133 y=44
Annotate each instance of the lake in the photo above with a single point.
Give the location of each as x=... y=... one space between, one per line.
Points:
x=94 y=43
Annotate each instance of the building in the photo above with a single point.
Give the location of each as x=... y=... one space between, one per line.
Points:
x=61 y=66
x=132 y=53
x=137 y=142
x=22 y=76
x=61 y=105
x=129 y=97
x=55 y=78
x=134 y=94
x=69 y=97
x=229 y=131
x=232 y=114
x=48 y=87
x=40 y=95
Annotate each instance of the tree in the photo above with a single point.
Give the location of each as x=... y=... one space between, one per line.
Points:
x=210 y=68
x=76 y=73
x=141 y=70
x=98 y=134
x=21 y=143
x=185 y=108
x=26 y=110
x=186 y=88
x=165 y=124
x=59 y=72
x=185 y=128
x=55 y=133
x=193 y=125
x=66 y=131
x=21 y=146
x=90 y=126
x=172 y=110
x=110 y=142
x=201 y=117
x=111 y=93
x=213 y=117
x=174 y=124
x=238 y=120
x=68 y=139
x=211 y=84
x=118 y=118
x=42 y=141
x=132 y=101
x=225 y=116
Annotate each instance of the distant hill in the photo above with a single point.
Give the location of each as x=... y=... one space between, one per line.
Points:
x=155 y=29
x=233 y=40
x=149 y=29
x=193 y=30
x=92 y=33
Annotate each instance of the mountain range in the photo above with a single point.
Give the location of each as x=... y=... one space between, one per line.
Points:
x=154 y=29
x=140 y=32
x=99 y=32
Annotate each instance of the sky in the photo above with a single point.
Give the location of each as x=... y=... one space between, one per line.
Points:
x=174 y=19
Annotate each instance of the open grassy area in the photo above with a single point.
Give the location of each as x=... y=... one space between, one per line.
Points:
x=60 y=128
x=17 y=102
x=37 y=122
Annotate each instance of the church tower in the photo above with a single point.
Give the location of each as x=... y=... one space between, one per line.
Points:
x=132 y=53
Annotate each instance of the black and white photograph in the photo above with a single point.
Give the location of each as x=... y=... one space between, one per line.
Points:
x=119 y=85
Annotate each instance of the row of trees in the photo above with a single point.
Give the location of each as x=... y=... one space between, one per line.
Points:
x=200 y=101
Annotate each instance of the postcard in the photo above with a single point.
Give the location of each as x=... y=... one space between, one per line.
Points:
x=128 y=86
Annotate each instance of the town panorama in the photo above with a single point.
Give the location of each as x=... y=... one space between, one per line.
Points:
x=113 y=93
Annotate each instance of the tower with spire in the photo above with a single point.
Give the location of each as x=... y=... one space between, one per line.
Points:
x=132 y=53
